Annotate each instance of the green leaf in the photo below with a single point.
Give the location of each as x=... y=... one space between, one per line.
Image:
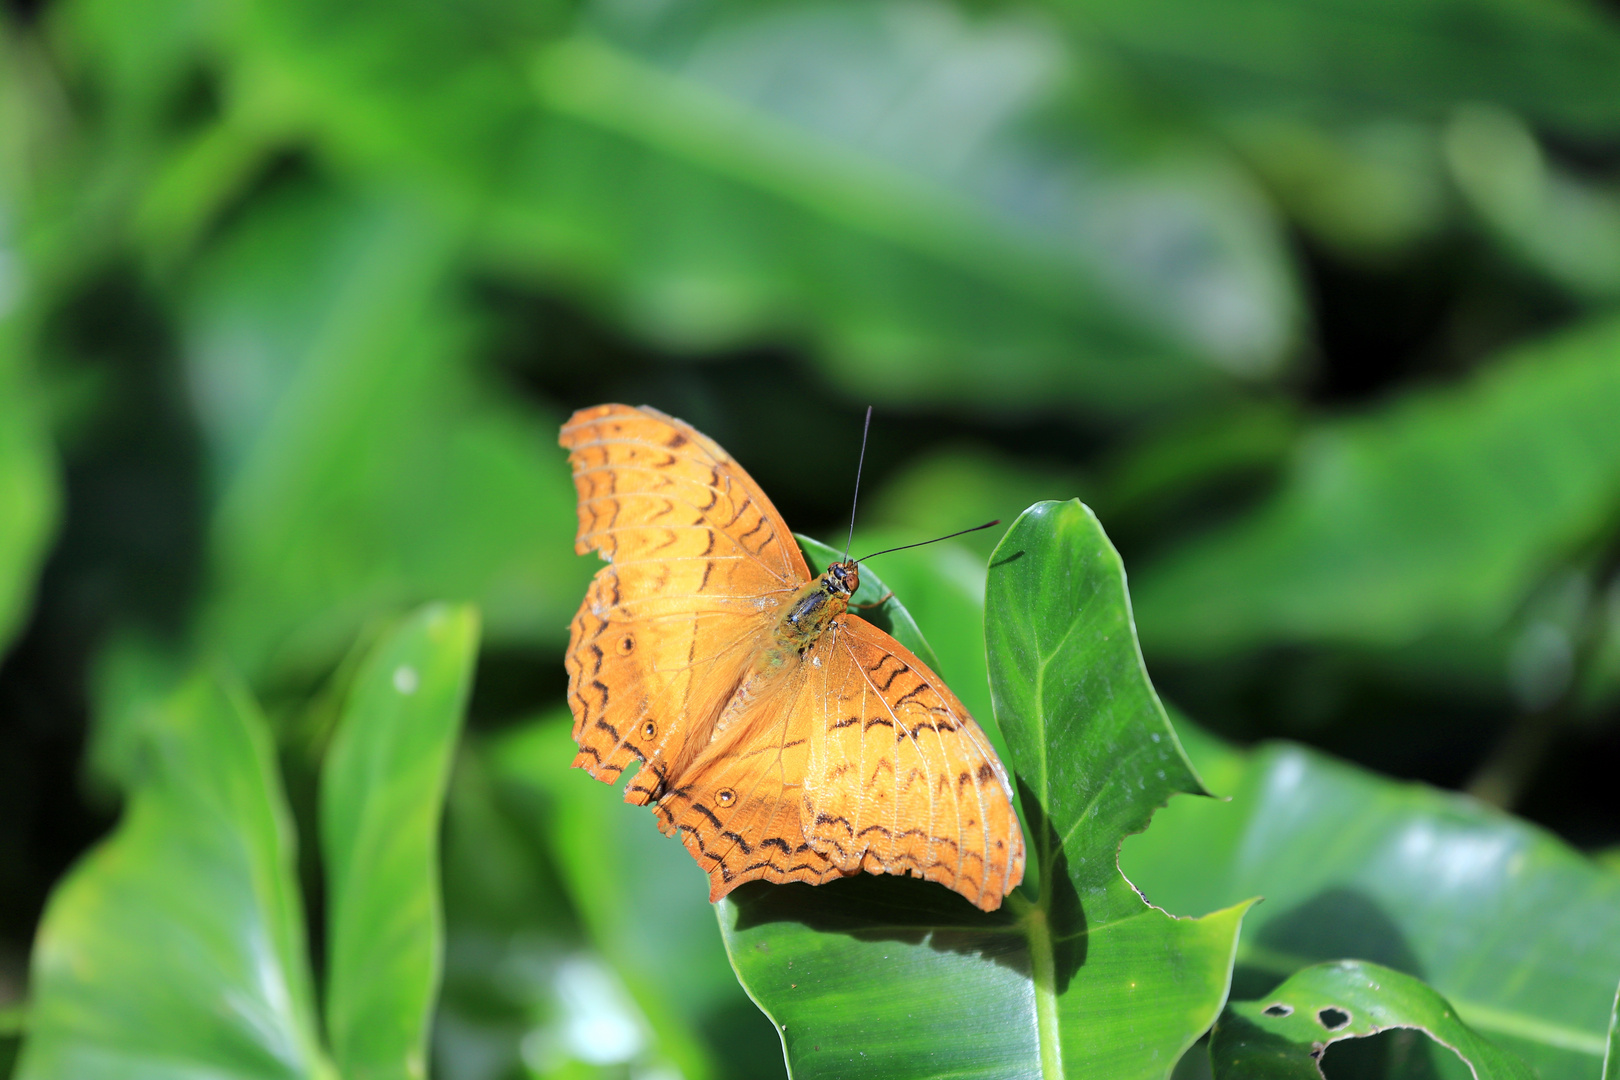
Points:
x=1520 y=933
x=361 y=469
x=1559 y=63
x=879 y=976
x=177 y=946
x=382 y=789
x=1284 y=1035
x=429 y=95
x=1439 y=512
x=643 y=162
x=900 y=250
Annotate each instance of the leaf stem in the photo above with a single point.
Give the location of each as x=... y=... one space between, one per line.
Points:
x=1043 y=973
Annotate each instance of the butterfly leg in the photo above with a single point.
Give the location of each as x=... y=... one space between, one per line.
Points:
x=879 y=602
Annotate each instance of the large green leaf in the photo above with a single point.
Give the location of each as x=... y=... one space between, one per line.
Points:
x=1558 y=62
x=1517 y=931
x=1436 y=513
x=1284 y=1035
x=176 y=948
x=360 y=468
x=679 y=155
x=891 y=977
x=382 y=789
x=28 y=481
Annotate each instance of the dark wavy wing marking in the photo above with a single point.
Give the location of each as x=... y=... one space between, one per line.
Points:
x=913 y=786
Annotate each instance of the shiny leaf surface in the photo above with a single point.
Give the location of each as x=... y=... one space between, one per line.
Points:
x=1518 y=932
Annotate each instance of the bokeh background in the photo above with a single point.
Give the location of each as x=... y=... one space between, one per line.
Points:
x=1312 y=300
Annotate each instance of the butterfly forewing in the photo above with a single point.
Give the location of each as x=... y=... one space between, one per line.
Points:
x=699 y=560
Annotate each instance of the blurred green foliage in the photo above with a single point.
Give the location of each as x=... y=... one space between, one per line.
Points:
x=1310 y=300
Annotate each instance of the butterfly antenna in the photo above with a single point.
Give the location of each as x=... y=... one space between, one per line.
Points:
x=859 y=464
x=935 y=540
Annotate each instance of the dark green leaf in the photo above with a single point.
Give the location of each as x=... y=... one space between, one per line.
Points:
x=1283 y=1036
x=1520 y=933
x=1439 y=512
x=177 y=946
x=877 y=976
x=382 y=789
x=1559 y=63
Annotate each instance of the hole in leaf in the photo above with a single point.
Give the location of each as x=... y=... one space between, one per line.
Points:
x=1332 y=1019
x=1279 y=1009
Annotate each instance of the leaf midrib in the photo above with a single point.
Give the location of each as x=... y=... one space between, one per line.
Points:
x=1036 y=918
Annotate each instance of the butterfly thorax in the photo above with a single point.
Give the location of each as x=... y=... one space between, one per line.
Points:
x=816 y=606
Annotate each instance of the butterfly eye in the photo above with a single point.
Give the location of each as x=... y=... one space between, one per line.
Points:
x=627 y=645
x=725 y=796
x=649 y=729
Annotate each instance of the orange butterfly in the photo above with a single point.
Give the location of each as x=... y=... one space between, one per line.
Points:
x=779 y=735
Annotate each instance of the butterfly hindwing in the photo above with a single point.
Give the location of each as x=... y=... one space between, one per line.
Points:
x=900 y=779
x=737 y=809
x=857 y=759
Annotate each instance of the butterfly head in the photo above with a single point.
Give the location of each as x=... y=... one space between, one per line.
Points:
x=842 y=579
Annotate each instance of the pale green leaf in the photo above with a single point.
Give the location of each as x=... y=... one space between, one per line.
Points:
x=382 y=790
x=176 y=948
